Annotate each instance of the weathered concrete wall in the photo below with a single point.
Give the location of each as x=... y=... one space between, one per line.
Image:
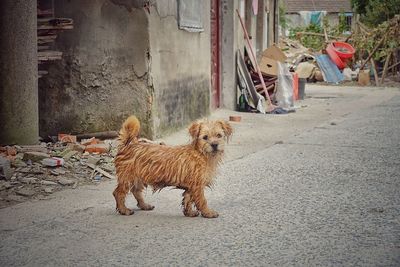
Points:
x=102 y=77
x=19 y=116
x=231 y=40
x=180 y=68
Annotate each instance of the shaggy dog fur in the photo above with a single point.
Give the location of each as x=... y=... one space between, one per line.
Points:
x=189 y=167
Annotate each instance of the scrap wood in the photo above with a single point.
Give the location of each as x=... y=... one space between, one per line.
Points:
x=375 y=72
x=260 y=88
x=373 y=51
x=391 y=67
x=271 y=107
x=326 y=35
x=55 y=27
x=100 y=135
x=99 y=170
x=46 y=12
x=245 y=77
x=42 y=39
x=55 y=21
x=49 y=55
x=318 y=34
x=363 y=28
x=386 y=66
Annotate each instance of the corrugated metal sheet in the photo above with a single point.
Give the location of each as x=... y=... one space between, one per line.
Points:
x=329 y=70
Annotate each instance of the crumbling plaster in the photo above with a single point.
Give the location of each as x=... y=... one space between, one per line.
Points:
x=102 y=77
x=121 y=60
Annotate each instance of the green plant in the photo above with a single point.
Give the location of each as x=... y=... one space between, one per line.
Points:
x=310 y=41
x=283 y=20
x=374 y=12
x=342 y=26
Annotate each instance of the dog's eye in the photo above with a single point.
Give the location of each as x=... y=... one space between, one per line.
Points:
x=219 y=135
x=205 y=137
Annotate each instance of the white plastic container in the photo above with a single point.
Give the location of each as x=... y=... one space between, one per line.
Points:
x=53 y=162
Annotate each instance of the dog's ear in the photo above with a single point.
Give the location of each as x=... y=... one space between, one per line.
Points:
x=226 y=127
x=194 y=129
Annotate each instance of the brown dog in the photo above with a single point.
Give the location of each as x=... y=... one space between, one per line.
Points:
x=189 y=167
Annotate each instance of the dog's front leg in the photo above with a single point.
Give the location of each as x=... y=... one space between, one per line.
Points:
x=187 y=203
x=201 y=203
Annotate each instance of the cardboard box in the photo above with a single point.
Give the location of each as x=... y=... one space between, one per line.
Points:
x=363 y=78
x=269 y=66
x=275 y=53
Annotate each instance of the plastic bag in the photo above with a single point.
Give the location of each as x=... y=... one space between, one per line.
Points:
x=284 y=93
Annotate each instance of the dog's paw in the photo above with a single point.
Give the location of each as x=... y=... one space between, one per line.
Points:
x=191 y=213
x=125 y=211
x=146 y=207
x=210 y=214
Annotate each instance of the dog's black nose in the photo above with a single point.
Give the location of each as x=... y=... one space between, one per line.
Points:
x=214 y=147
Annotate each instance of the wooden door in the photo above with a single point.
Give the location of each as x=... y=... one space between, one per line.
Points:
x=215 y=54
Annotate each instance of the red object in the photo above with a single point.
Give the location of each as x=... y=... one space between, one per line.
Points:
x=66 y=138
x=343 y=50
x=295 y=86
x=340 y=52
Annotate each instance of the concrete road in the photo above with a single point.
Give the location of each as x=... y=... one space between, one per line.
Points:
x=319 y=187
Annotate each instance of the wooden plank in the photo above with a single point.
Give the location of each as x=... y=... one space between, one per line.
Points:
x=99 y=170
x=375 y=72
x=55 y=27
x=49 y=55
x=100 y=135
x=41 y=73
x=43 y=47
x=386 y=66
x=245 y=75
x=45 y=39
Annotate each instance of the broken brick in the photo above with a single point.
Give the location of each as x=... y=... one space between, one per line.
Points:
x=91 y=141
x=66 y=138
x=11 y=151
x=97 y=148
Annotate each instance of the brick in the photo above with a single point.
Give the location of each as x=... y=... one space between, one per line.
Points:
x=97 y=148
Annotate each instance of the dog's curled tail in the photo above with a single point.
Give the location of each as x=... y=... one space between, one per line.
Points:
x=130 y=130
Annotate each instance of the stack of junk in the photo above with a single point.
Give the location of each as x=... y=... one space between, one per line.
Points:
x=273 y=81
x=330 y=65
x=282 y=84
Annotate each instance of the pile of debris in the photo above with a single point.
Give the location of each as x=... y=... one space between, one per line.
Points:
x=367 y=54
x=378 y=48
x=280 y=84
x=36 y=171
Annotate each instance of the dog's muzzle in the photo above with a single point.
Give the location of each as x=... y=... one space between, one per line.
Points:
x=214 y=147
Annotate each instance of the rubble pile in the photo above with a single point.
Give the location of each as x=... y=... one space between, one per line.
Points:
x=366 y=56
x=37 y=171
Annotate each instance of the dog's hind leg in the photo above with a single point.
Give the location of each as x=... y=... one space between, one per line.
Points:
x=187 y=204
x=137 y=193
x=119 y=195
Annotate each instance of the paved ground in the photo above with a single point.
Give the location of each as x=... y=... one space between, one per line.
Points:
x=318 y=187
